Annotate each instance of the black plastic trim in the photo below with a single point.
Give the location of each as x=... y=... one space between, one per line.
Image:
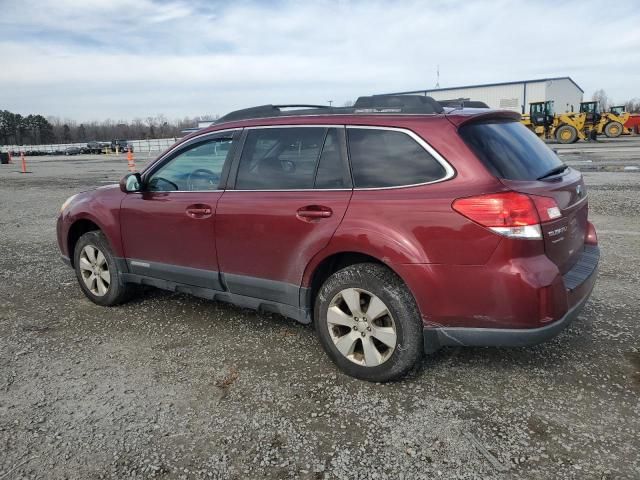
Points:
x=230 y=183
x=583 y=268
x=66 y=260
x=176 y=274
x=122 y=264
x=266 y=289
x=302 y=315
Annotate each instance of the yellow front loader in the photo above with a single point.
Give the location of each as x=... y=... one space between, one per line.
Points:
x=562 y=127
x=610 y=123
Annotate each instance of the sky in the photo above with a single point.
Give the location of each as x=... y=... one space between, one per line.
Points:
x=120 y=59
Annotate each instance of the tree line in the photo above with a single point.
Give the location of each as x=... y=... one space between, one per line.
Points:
x=600 y=96
x=16 y=129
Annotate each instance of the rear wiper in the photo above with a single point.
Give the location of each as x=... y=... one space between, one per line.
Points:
x=553 y=171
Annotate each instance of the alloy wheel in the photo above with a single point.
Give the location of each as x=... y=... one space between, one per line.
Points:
x=361 y=327
x=94 y=270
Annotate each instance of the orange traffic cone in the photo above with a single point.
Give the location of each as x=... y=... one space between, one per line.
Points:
x=131 y=161
x=10 y=159
x=24 y=163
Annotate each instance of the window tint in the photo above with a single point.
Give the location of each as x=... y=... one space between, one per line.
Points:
x=331 y=168
x=198 y=168
x=387 y=158
x=279 y=158
x=510 y=150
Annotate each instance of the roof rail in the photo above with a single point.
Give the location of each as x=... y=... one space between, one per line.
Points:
x=416 y=104
x=302 y=105
x=264 y=111
x=397 y=104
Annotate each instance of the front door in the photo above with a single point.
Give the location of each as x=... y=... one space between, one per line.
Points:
x=168 y=230
x=292 y=189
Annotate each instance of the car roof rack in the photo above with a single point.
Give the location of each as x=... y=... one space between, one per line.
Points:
x=392 y=104
x=463 y=103
x=263 y=111
x=397 y=104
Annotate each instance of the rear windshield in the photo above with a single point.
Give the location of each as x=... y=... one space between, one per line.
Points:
x=510 y=150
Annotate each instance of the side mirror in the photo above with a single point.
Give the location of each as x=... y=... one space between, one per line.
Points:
x=132 y=182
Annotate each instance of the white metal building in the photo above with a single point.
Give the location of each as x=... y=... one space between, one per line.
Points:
x=516 y=96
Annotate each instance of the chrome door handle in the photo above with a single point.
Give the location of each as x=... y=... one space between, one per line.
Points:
x=314 y=212
x=199 y=211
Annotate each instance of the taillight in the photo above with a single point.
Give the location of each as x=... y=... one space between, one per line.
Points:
x=591 y=237
x=511 y=214
x=547 y=208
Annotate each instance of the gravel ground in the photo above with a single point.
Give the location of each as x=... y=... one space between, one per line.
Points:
x=171 y=386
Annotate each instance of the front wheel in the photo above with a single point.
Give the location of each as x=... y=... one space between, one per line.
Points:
x=613 y=129
x=368 y=323
x=97 y=271
x=566 y=134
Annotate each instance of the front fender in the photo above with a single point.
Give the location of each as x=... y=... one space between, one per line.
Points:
x=101 y=207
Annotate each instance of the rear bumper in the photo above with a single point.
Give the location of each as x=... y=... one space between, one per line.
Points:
x=579 y=283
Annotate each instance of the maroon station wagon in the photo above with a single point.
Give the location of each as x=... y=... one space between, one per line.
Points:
x=395 y=226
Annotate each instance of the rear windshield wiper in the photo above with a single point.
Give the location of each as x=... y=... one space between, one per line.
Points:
x=553 y=171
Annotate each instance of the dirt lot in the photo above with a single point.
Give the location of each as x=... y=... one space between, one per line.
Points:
x=170 y=386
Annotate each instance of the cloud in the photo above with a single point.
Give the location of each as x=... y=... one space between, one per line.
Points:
x=122 y=59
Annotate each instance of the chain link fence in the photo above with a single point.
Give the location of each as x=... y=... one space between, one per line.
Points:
x=154 y=145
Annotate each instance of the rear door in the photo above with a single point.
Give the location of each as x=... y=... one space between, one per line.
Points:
x=168 y=230
x=291 y=188
x=525 y=164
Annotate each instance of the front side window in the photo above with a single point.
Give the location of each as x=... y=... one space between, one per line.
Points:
x=389 y=158
x=196 y=169
x=280 y=158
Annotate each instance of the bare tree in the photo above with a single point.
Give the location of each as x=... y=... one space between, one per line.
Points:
x=602 y=98
x=633 y=105
x=35 y=129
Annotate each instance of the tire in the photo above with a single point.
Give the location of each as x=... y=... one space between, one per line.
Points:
x=613 y=129
x=566 y=134
x=361 y=283
x=116 y=291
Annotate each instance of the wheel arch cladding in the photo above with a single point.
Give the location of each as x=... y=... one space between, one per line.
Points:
x=320 y=270
x=77 y=229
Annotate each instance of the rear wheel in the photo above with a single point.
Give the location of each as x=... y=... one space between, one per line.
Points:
x=566 y=134
x=613 y=129
x=368 y=323
x=97 y=271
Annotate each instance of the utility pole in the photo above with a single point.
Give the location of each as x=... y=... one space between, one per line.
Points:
x=438 y=76
x=330 y=102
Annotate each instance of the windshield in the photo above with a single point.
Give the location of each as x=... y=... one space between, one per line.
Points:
x=510 y=150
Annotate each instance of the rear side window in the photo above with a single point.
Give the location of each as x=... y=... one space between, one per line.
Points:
x=331 y=168
x=510 y=150
x=389 y=158
x=280 y=158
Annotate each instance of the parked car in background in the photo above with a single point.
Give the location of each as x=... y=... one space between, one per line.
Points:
x=121 y=146
x=72 y=150
x=395 y=226
x=92 y=147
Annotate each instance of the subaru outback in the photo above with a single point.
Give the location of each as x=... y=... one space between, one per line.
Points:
x=395 y=226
